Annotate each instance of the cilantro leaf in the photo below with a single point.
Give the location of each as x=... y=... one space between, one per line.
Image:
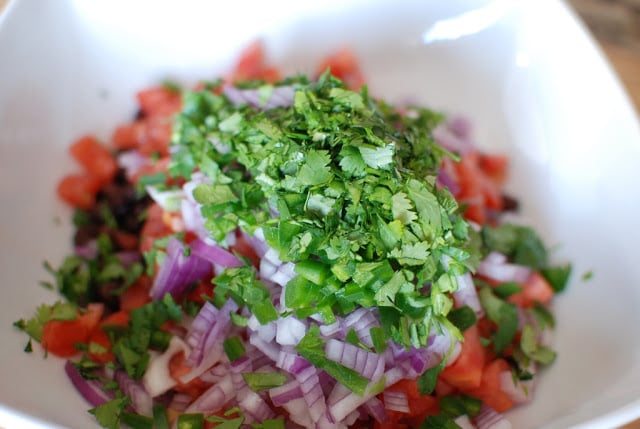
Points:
x=108 y=414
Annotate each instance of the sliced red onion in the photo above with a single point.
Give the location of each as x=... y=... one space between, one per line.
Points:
x=254 y=406
x=291 y=362
x=447 y=180
x=466 y=294
x=180 y=402
x=193 y=220
x=369 y=365
x=339 y=410
x=91 y=390
x=214 y=398
x=214 y=374
x=128 y=258
x=178 y=271
x=361 y=321
x=269 y=348
x=131 y=161
x=287 y=392
x=488 y=418
x=169 y=200
x=450 y=141
x=460 y=126
x=375 y=408
x=207 y=333
x=289 y=331
x=157 y=378
x=331 y=330
x=520 y=391
x=215 y=254
x=495 y=267
x=299 y=412
x=281 y=96
x=141 y=401
x=273 y=269
x=312 y=392
x=266 y=332
x=396 y=401
x=464 y=422
x=89 y=250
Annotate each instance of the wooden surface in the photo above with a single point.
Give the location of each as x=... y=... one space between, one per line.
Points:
x=616 y=25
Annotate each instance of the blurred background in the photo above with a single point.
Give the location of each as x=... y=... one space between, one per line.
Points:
x=616 y=26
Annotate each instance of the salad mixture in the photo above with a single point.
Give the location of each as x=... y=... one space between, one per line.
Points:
x=273 y=252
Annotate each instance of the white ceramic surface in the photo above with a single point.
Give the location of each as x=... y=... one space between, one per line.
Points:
x=525 y=72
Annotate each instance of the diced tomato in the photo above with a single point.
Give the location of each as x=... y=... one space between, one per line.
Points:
x=420 y=406
x=151 y=168
x=391 y=424
x=466 y=371
x=61 y=336
x=535 y=289
x=479 y=189
x=244 y=248
x=78 y=190
x=119 y=318
x=128 y=136
x=252 y=65
x=153 y=228
x=96 y=159
x=125 y=240
x=343 y=64
x=443 y=388
x=150 y=136
x=202 y=289
x=159 y=101
x=100 y=338
x=136 y=295
x=102 y=353
x=178 y=368
x=490 y=390
x=494 y=166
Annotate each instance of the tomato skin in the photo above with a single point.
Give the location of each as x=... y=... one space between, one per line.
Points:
x=252 y=65
x=159 y=101
x=99 y=336
x=535 y=289
x=494 y=166
x=343 y=64
x=60 y=337
x=466 y=371
x=153 y=228
x=95 y=159
x=490 y=390
x=78 y=190
x=136 y=295
x=178 y=368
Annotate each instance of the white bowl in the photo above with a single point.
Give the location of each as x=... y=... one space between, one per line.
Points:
x=525 y=72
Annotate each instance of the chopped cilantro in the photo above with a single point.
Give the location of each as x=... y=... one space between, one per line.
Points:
x=463 y=318
x=234 y=348
x=354 y=187
x=109 y=413
x=258 y=381
x=520 y=243
x=504 y=314
x=558 y=277
x=44 y=313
